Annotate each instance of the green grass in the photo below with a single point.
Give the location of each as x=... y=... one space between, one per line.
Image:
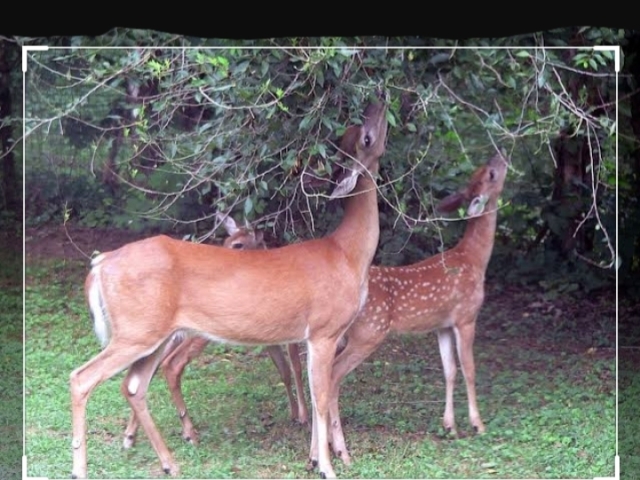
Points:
x=629 y=386
x=628 y=419
x=11 y=363
x=546 y=396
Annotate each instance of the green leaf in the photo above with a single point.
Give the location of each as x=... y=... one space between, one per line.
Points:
x=248 y=206
x=326 y=122
x=542 y=79
x=439 y=58
x=322 y=150
x=391 y=119
x=347 y=52
x=307 y=122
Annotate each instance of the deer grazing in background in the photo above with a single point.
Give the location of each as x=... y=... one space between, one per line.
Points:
x=145 y=292
x=442 y=293
x=176 y=359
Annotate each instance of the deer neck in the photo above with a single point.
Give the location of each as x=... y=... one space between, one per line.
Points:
x=479 y=236
x=359 y=231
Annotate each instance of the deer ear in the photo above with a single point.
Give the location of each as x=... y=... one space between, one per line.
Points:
x=228 y=223
x=346 y=184
x=450 y=203
x=476 y=207
x=349 y=177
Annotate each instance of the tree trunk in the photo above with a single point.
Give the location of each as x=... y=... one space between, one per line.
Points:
x=9 y=57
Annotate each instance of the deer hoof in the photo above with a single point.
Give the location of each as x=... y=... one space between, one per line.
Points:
x=128 y=441
x=479 y=429
x=192 y=439
x=172 y=470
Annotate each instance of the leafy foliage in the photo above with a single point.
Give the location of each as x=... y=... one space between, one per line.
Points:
x=163 y=138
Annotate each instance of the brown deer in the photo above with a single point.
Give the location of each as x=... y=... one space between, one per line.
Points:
x=442 y=293
x=145 y=292
x=186 y=349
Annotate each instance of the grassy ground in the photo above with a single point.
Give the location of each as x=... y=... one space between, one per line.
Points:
x=545 y=376
x=11 y=360
x=629 y=390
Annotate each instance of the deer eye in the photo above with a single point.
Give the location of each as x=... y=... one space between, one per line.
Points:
x=237 y=245
x=367 y=140
x=492 y=175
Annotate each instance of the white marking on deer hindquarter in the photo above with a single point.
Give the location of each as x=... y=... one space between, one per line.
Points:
x=100 y=318
x=96 y=260
x=134 y=383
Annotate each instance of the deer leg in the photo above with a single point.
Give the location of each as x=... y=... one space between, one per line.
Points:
x=134 y=388
x=465 y=336
x=132 y=427
x=277 y=355
x=173 y=367
x=445 y=342
x=112 y=360
x=294 y=357
x=130 y=431
x=320 y=355
x=352 y=355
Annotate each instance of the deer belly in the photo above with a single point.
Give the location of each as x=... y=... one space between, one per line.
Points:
x=255 y=329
